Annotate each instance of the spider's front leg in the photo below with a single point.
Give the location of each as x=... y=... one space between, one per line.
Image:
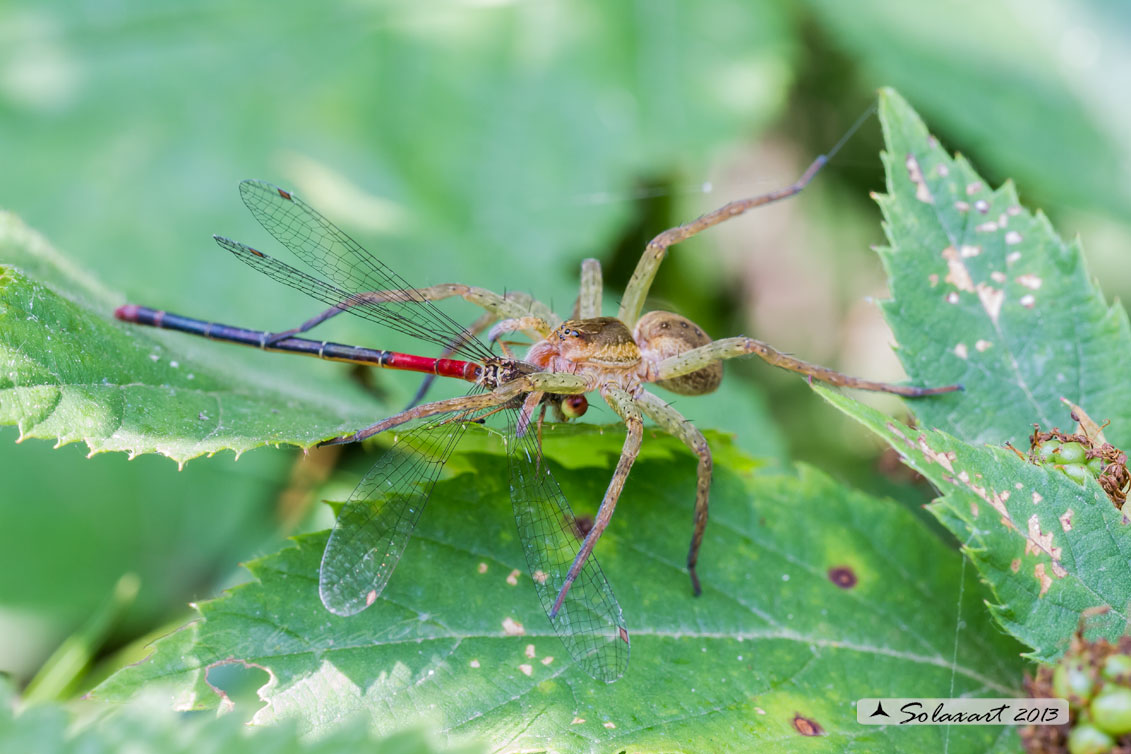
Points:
x=498 y=306
x=729 y=348
x=556 y=383
x=661 y=412
x=460 y=406
x=528 y=324
x=625 y=407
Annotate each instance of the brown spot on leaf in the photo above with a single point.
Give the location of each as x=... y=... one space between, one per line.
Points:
x=922 y=193
x=1038 y=543
x=1015 y=566
x=941 y=458
x=957 y=274
x=842 y=576
x=807 y=727
x=895 y=431
x=1042 y=577
x=992 y=299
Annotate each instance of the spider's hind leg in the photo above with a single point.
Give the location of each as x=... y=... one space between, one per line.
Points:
x=661 y=412
x=730 y=348
x=588 y=304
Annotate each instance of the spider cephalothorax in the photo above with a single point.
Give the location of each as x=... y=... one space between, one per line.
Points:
x=599 y=349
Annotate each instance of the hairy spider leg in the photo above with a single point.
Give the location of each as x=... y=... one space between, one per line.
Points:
x=541 y=382
x=497 y=397
x=641 y=281
x=661 y=412
x=623 y=404
x=500 y=307
x=588 y=304
x=520 y=324
x=729 y=348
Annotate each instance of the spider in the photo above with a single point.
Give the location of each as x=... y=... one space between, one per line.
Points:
x=617 y=357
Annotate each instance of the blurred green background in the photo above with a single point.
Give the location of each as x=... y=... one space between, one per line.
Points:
x=499 y=143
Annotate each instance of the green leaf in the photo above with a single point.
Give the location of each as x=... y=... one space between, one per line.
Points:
x=814 y=596
x=1048 y=547
x=71 y=374
x=984 y=293
x=148 y=726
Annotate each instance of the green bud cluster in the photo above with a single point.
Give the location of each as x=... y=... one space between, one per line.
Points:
x=1101 y=701
x=1071 y=459
x=1080 y=455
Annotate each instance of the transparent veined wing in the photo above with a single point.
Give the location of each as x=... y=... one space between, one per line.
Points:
x=375 y=524
x=330 y=252
x=589 y=622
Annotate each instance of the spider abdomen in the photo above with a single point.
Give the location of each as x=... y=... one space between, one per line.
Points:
x=662 y=335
